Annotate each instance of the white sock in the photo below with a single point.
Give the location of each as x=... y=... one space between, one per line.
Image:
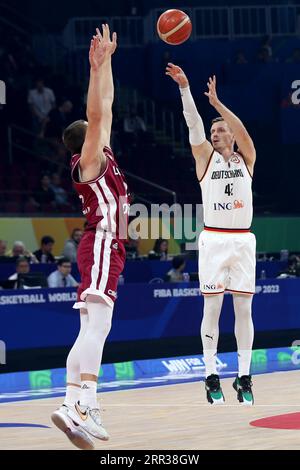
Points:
x=244 y=331
x=72 y=395
x=210 y=331
x=88 y=394
x=210 y=362
x=73 y=360
x=99 y=324
x=98 y=328
x=244 y=358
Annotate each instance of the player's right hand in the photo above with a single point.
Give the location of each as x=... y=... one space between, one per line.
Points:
x=102 y=47
x=177 y=74
x=104 y=39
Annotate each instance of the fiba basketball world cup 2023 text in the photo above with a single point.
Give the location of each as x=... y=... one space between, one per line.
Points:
x=2 y=92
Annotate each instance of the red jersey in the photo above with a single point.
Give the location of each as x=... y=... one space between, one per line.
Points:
x=105 y=199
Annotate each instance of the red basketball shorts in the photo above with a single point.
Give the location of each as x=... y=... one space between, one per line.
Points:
x=100 y=260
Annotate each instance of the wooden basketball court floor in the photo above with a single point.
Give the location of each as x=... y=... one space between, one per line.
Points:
x=170 y=417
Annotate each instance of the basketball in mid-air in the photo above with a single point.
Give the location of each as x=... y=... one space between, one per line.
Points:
x=174 y=27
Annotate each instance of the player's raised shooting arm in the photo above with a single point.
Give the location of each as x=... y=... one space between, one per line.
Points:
x=99 y=104
x=107 y=85
x=242 y=137
x=201 y=147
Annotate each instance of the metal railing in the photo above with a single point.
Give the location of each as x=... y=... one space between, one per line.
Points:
x=236 y=22
x=18 y=20
x=153 y=185
x=23 y=135
x=161 y=121
x=208 y=22
x=78 y=31
x=48 y=48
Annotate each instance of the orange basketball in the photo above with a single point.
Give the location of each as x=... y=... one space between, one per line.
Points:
x=174 y=27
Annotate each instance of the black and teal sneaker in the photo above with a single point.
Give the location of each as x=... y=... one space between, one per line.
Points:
x=242 y=385
x=213 y=389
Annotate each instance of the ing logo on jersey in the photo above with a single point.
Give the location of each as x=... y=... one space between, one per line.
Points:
x=228 y=206
x=238 y=204
x=213 y=286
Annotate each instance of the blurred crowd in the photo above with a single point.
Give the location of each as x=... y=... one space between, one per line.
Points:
x=37 y=179
x=26 y=277
x=44 y=254
x=24 y=258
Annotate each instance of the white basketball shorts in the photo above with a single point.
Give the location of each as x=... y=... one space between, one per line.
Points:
x=227 y=262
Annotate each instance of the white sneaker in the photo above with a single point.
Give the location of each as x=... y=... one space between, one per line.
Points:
x=73 y=431
x=90 y=420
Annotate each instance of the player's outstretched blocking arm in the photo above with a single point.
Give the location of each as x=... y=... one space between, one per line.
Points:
x=201 y=147
x=107 y=83
x=99 y=104
x=242 y=137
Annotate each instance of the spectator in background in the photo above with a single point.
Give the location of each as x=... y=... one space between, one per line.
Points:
x=295 y=57
x=41 y=101
x=240 y=58
x=61 y=197
x=265 y=53
x=22 y=267
x=8 y=65
x=175 y=274
x=19 y=249
x=134 y=128
x=3 y=248
x=116 y=134
x=293 y=269
x=71 y=245
x=58 y=120
x=44 y=194
x=132 y=248
x=160 y=249
x=44 y=254
x=62 y=276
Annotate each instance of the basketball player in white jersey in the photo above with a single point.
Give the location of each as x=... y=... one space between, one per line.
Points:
x=226 y=245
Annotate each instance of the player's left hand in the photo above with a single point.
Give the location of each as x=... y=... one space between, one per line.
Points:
x=212 y=92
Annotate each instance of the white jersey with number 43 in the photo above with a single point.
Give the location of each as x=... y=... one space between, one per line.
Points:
x=227 y=193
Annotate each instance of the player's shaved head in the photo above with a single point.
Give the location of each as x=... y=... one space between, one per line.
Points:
x=217 y=119
x=74 y=136
x=221 y=121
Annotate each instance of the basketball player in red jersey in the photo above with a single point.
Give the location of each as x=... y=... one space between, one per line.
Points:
x=102 y=189
x=226 y=245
